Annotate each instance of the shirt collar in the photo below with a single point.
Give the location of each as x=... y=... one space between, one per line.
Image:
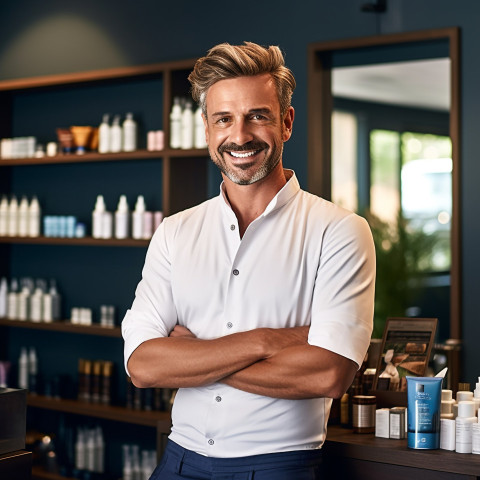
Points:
x=286 y=193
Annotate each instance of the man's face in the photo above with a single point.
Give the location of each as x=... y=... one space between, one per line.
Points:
x=244 y=129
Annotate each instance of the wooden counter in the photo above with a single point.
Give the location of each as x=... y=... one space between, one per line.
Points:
x=16 y=465
x=352 y=456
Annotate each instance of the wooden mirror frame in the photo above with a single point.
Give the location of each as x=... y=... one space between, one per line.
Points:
x=320 y=107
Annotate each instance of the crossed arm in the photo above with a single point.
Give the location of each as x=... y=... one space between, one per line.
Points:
x=272 y=362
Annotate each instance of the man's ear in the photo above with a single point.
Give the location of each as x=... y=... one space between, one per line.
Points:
x=288 y=124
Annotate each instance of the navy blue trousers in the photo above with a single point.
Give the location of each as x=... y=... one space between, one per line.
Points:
x=178 y=463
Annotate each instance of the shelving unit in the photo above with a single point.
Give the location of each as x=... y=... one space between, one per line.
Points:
x=88 y=270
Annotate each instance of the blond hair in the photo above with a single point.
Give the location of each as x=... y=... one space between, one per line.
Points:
x=226 y=61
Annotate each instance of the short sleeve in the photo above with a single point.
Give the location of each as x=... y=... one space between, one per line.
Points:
x=343 y=297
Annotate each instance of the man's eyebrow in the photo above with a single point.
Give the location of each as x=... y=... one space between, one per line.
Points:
x=220 y=114
x=264 y=110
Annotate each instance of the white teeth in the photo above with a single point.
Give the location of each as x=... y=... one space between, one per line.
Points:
x=242 y=155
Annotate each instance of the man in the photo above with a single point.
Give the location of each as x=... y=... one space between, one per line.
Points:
x=256 y=304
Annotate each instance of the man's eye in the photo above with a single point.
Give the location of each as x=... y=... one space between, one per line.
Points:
x=222 y=120
x=258 y=117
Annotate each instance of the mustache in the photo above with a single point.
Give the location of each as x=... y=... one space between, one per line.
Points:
x=246 y=147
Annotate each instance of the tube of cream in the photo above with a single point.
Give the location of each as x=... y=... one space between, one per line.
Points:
x=424 y=394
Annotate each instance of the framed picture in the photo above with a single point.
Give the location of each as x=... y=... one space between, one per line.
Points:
x=405 y=351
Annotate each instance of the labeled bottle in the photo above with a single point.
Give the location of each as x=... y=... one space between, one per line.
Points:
x=80 y=451
x=199 y=137
x=23 y=299
x=116 y=135
x=187 y=126
x=176 y=124
x=122 y=218
x=97 y=217
x=463 y=426
x=129 y=133
x=138 y=218
x=36 y=301
x=23 y=217
x=13 y=217
x=4 y=216
x=34 y=218
x=104 y=135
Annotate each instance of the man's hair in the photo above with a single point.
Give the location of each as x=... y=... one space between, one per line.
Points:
x=226 y=61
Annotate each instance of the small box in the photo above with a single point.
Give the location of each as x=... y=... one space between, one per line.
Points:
x=382 y=423
x=13 y=413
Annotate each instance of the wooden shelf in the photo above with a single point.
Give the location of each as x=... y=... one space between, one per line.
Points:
x=85 y=241
x=39 y=472
x=64 y=326
x=159 y=420
x=104 y=157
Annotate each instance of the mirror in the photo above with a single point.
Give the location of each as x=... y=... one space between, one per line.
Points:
x=365 y=89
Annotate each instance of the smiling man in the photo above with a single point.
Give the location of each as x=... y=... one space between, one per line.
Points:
x=258 y=304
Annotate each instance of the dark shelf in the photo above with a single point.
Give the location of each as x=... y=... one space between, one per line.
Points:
x=85 y=241
x=64 y=326
x=159 y=420
x=104 y=157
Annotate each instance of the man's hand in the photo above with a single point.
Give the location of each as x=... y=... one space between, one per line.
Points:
x=180 y=331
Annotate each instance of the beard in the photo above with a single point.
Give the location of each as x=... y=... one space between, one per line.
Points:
x=249 y=172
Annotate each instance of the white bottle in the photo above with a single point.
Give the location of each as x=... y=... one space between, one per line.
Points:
x=176 y=124
x=136 y=468
x=97 y=217
x=23 y=218
x=199 y=137
x=12 y=300
x=13 y=217
x=90 y=451
x=23 y=369
x=129 y=133
x=80 y=451
x=36 y=302
x=116 y=135
x=56 y=301
x=107 y=225
x=3 y=297
x=127 y=463
x=476 y=396
x=122 y=217
x=23 y=300
x=138 y=218
x=104 y=135
x=187 y=126
x=34 y=218
x=463 y=426
x=4 y=216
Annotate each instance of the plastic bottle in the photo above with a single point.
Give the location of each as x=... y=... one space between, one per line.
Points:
x=36 y=301
x=23 y=299
x=12 y=300
x=99 y=451
x=122 y=218
x=104 y=135
x=90 y=451
x=129 y=133
x=80 y=451
x=127 y=463
x=176 y=124
x=463 y=426
x=136 y=468
x=199 y=137
x=23 y=217
x=34 y=220
x=97 y=217
x=3 y=216
x=187 y=126
x=3 y=297
x=23 y=369
x=55 y=300
x=138 y=217
x=13 y=217
x=116 y=135
x=476 y=396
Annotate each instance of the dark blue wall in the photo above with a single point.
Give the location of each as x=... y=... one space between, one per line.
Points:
x=48 y=37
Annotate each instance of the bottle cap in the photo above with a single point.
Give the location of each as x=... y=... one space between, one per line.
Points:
x=464 y=396
x=446 y=395
x=466 y=409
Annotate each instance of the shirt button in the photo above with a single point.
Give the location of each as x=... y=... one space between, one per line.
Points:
x=232 y=227
x=218 y=398
x=229 y=325
x=211 y=442
x=236 y=272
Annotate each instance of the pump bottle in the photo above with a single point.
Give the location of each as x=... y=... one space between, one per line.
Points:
x=97 y=217
x=122 y=218
x=12 y=300
x=23 y=217
x=23 y=369
x=199 y=137
x=104 y=135
x=138 y=217
x=176 y=124
x=187 y=126
x=116 y=135
x=13 y=217
x=34 y=214
x=129 y=133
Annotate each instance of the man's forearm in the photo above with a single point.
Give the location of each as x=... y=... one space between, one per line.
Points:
x=185 y=361
x=297 y=372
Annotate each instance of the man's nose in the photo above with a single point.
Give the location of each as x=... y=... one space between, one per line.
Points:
x=240 y=132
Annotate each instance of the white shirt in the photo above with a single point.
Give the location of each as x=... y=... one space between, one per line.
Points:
x=304 y=261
